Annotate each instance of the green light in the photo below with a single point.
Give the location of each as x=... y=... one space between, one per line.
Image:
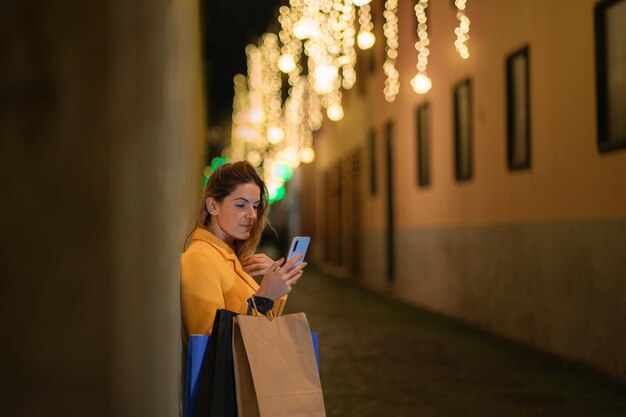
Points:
x=280 y=193
x=209 y=169
x=217 y=161
x=282 y=171
x=276 y=194
x=272 y=193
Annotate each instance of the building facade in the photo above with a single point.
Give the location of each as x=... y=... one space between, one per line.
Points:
x=490 y=199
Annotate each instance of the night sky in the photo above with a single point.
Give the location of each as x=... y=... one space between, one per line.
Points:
x=228 y=26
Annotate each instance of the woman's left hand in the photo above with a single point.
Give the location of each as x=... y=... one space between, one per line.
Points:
x=257 y=264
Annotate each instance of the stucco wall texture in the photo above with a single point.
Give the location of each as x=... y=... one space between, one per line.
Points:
x=535 y=255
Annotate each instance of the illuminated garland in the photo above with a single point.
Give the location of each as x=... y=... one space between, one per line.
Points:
x=289 y=61
x=275 y=136
x=347 y=33
x=462 y=30
x=390 y=29
x=365 y=39
x=240 y=128
x=256 y=113
x=421 y=83
x=272 y=88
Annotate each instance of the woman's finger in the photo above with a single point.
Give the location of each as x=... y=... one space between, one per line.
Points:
x=294 y=279
x=299 y=267
x=252 y=258
x=276 y=265
x=295 y=271
x=259 y=270
x=252 y=268
x=258 y=265
x=289 y=273
x=258 y=258
x=292 y=263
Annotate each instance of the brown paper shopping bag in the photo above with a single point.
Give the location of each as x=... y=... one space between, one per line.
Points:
x=281 y=367
x=247 y=405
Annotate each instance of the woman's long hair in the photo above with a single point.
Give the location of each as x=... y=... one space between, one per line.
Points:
x=221 y=183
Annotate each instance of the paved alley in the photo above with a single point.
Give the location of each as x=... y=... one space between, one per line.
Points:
x=382 y=358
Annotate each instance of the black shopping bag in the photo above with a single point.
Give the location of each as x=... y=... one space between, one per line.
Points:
x=216 y=382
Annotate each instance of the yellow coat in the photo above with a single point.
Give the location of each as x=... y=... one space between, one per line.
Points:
x=211 y=278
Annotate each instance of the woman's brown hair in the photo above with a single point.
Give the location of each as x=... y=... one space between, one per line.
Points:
x=221 y=183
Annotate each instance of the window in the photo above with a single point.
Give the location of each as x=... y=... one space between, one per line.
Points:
x=610 y=27
x=463 y=130
x=422 y=130
x=518 y=110
x=371 y=139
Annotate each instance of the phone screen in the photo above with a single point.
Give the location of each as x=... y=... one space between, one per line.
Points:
x=299 y=245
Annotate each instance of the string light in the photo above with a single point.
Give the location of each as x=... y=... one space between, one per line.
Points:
x=255 y=112
x=307 y=155
x=390 y=29
x=307 y=25
x=286 y=63
x=254 y=157
x=240 y=119
x=289 y=156
x=299 y=117
x=347 y=32
x=335 y=112
x=332 y=103
x=272 y=88
x=275 y=136
x=315 y=109
x=324 y=78
x=421 y=83
x=291 y=50
x=462 y=30
x=296 y=117
x=365 y=39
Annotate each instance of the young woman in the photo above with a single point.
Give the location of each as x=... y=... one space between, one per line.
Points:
x=228 y=230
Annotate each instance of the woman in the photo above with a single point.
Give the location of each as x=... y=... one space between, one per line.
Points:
x=228 y=230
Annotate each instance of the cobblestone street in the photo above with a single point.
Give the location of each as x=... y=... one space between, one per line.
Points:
x=382 y=358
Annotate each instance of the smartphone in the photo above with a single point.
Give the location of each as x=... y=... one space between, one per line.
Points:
x=299 y=245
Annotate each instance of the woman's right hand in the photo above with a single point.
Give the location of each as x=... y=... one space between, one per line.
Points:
x=278 y=280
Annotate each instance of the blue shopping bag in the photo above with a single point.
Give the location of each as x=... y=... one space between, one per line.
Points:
x=196 y=348
x=212 y=377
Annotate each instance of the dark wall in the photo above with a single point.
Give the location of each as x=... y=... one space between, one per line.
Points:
x=101 y=139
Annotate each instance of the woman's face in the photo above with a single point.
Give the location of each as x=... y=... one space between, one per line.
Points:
x=233 y=218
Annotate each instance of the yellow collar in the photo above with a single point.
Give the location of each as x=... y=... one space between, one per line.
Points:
x=222 y=247
x=226 y=251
